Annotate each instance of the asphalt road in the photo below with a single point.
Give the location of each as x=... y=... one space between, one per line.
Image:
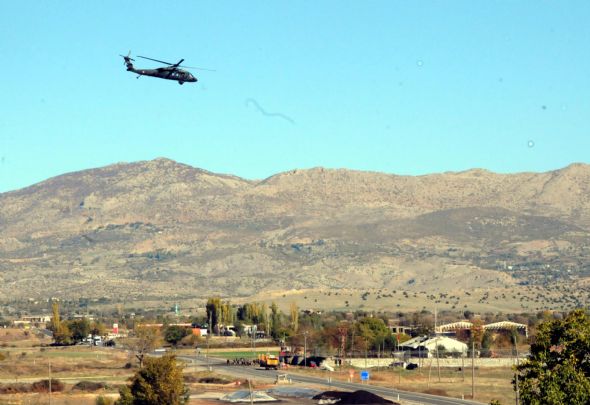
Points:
x=394 y=394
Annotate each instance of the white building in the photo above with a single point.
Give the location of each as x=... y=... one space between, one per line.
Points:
x=424 y=346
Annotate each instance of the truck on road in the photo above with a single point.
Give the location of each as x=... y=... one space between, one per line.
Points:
x=268 y=361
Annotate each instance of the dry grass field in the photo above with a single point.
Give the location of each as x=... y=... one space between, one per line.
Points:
x=27 y=362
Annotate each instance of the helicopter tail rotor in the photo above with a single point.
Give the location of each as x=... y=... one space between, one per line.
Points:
x=128 y=60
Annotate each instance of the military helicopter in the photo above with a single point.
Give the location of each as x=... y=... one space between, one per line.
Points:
x=170 y=72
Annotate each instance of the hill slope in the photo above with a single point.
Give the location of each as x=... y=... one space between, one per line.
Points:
x=155 y=229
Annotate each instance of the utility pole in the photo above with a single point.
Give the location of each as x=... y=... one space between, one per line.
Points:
x=208 y=368
x=352 y=341
x=366 y=352
x=435 y=316
x=437 y=361
x=343 y=331
x=463 y=366
x=473 y=369
x=420 y=362
x=49 y=382
x=516 y=372
x=305 y=349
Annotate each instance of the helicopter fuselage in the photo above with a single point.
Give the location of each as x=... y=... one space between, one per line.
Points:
x=180 y=75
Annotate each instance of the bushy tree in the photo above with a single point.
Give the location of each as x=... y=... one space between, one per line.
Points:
x=486 y=344
x=213 y=308
x=62 y=335
x=98 y=328
x=174 y=334
x=79 y=329
x=158 y=382
x=275 y=320
x=558 y=369
x=374 y=332
x=294 y=316
x=61 y=332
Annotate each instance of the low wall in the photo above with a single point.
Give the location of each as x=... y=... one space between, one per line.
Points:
x=425 y=362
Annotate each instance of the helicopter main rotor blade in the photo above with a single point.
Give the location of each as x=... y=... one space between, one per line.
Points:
x=176 y=65
x=197 y=68
x=156 y=60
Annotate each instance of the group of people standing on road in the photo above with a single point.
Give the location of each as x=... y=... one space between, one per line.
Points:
x=240 y=362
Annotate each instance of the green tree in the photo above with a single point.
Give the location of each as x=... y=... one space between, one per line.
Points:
x=294 y=312
x=275 y=320
x=55 y=319
x=372 y=330
x=98 y=329
x=174 y=334
x=486 y=344
x=213 y=308
x=61 y=332
x=62 y=335
x=79 y=329
x=158 y=382
x=557 y=371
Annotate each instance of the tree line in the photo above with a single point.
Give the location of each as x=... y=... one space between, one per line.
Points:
x=72 y=331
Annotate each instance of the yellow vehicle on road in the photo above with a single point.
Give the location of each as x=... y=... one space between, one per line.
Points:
x=268 y=361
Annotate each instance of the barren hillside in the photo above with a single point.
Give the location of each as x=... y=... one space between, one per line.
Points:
x=152 y=229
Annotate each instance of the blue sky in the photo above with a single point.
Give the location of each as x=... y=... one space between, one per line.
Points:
x=408 y=87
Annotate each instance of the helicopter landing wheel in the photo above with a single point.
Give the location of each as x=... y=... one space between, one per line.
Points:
x=181 y=83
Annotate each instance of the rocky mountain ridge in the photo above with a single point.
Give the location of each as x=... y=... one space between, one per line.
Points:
x=168 y=227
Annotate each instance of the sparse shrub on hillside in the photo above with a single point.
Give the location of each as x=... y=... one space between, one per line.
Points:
x=90 y=386
x=15 y=388
x=43 y=386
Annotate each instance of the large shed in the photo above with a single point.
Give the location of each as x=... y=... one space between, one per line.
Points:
x=424 y=346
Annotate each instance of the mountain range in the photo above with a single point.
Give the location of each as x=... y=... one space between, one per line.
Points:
x=156 y=230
